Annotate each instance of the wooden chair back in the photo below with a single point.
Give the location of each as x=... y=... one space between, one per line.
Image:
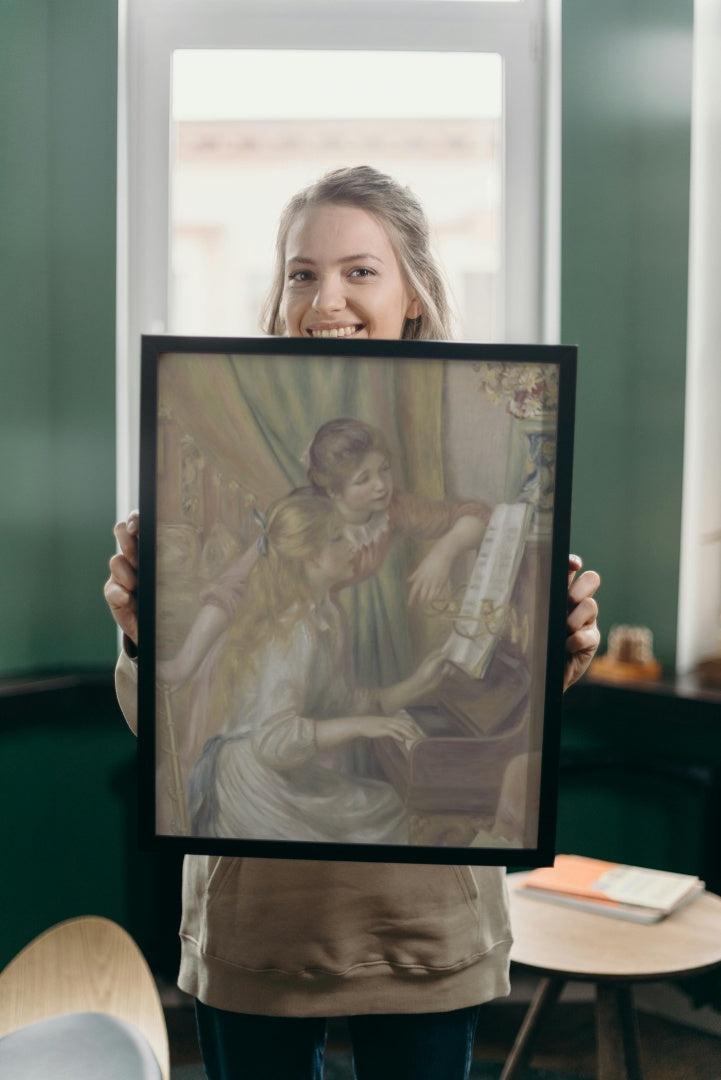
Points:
x=86 y=964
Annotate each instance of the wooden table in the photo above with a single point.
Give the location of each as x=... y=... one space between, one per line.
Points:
x=563 y=944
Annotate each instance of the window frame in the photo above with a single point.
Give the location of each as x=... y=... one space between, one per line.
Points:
x=699 y=596
x=526 y=34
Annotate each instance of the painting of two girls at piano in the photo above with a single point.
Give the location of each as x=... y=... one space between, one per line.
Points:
x=342 y=654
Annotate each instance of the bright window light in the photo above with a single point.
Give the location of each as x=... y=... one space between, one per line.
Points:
x=238 y=156
x=222 y=84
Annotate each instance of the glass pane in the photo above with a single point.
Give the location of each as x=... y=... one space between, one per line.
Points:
x=250 y=128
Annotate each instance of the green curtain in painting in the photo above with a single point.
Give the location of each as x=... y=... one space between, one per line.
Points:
x=255 y=420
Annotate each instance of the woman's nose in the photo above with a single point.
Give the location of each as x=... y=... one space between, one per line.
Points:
x=329 y=295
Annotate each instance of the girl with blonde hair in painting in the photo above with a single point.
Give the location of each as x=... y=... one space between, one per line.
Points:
x=349 y=464
x=286 y=688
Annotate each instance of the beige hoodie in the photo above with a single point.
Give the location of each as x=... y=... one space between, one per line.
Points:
x=284 y=937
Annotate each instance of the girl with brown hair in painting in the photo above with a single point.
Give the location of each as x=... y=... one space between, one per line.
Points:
x=285 y=687
x=350 y=462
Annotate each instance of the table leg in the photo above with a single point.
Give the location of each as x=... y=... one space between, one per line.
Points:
x=617 y=1033
x=545 y=997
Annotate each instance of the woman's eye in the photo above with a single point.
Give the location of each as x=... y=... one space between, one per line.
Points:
x=300 y=276
x=362 y=272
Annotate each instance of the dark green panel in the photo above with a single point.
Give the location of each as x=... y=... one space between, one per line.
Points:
x=626 y=143
x=58 y=80
x=641 y=777
x=26 y=482
x=65 y=787
x=83 y=153
x=628 y=817
x=69 y=798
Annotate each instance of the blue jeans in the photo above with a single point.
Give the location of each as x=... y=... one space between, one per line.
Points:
x=414 y=1046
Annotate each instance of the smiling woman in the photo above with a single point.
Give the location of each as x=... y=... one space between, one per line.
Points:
x=333 y=290
x=353 y=259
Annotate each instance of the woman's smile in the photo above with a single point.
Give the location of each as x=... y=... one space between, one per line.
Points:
x=335 y=331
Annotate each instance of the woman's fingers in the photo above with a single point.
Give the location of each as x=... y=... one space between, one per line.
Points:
x=123 y=572
x=402 y=727
x=120 y=588
x=575 y=563
x=123 y=608
x=582 y=607
x=126 y=534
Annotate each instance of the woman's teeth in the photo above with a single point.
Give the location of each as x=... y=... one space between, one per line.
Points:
x=336 y=332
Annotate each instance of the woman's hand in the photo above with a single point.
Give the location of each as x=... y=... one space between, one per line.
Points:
x=121 y=587
x=401 y=727
x=427 y=676
x=431 y=574
x=583 y=635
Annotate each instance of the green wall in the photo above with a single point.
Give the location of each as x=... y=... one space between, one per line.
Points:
x=626 y=133
x=625 y=167
x=58 y=74
x=626 y=102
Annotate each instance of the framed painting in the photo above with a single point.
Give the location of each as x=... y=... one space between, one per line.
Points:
x=352 y=597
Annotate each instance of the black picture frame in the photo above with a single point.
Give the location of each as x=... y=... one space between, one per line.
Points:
x=235 y=751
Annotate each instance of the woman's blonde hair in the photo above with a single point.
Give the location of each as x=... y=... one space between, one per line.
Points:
x=401 y=214
x=337 y=450
x=278 y=592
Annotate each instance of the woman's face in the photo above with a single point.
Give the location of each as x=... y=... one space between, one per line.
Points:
x=342 y=277
x=368 y=489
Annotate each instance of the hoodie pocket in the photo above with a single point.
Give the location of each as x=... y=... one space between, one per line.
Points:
x=294 y=916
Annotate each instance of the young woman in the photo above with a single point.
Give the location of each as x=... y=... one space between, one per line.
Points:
x=286 y=689
x=271 y=948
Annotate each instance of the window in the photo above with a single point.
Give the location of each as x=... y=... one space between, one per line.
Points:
x=236 y=160
x=229 y=106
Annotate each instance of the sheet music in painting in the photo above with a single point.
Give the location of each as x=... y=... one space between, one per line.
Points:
x=485 y=605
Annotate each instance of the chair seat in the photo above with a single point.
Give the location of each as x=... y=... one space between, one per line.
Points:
x=78 y=1046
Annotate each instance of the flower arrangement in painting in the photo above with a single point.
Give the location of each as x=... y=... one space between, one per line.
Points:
x=529 y=390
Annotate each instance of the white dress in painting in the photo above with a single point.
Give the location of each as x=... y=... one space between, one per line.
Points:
x=264 y=778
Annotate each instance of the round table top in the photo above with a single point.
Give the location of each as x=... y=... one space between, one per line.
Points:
x=559 y=940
